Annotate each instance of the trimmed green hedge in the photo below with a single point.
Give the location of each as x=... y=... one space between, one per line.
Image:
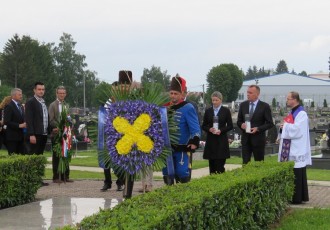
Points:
x=20 y=178
x=248 y=198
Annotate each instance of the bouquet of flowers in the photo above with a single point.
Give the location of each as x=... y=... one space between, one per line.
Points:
x=323 y=140
x=235 y=144
x=64 y=140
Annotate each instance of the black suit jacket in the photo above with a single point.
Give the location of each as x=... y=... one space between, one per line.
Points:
x=34 y=117
x=217 y=146
x=262 y=118
x=12 y=118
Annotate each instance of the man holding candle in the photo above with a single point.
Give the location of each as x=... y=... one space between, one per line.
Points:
x=258 y=115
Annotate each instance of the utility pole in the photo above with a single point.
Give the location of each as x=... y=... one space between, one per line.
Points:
x=203 y=97
x=84 y=95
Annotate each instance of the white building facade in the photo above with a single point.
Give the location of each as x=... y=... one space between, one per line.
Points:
x=278 y=86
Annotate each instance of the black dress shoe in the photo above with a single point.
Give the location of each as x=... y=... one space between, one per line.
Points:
x=44 y=184
x=105 y=187
x=120 y=187
x=295 y=202
x=58 y=181
x=68 y=181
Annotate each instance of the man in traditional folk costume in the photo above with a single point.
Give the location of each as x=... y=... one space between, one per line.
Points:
x=189 y=134
x=295 y=145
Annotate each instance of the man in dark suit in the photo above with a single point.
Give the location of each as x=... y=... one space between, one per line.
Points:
x=36 y=117
x=261 y=120
x=14 y=121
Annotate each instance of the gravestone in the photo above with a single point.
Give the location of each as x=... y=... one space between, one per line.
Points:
x=323 y=162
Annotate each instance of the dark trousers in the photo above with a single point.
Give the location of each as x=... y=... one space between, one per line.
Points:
x=301 y=186
x=257 y=150
x=107 y=175
x=40 y=145
x=2 y=138
x=217 y=165
x=15 y=147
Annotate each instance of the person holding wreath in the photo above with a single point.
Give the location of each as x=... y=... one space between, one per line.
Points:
x=55 y=109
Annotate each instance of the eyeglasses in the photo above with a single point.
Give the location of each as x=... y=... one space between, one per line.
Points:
x=289 y=99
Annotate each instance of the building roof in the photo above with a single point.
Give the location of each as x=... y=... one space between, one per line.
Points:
x=287 y=79
x=323 y=76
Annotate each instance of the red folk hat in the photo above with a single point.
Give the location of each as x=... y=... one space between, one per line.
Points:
x=178 y=84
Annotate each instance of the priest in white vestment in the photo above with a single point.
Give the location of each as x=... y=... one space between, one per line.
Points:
x=295 y=145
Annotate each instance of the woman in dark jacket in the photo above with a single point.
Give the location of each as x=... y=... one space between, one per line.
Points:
x=6 y=100
x=217 y=147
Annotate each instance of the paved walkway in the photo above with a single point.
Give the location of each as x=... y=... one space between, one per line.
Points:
x=319 y=191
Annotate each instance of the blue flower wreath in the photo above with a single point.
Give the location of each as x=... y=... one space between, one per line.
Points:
x=129 y=112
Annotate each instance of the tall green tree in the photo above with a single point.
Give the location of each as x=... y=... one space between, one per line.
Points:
x=4 y=91
x=70 y=70
x=303 y=73
x=225 y=78
x=253 y=73
x=282 y=67
x=155 y=75
x=24 y=61
x=325 y=103
x=312 y=104
x=274 y=103
x=263 y=72
x=101 y=93
x=91 y=81
x=237 y=80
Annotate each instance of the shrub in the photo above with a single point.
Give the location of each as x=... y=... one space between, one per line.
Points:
x=20 y=178
x=248 y=198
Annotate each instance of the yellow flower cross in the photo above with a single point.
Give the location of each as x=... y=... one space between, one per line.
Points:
x=133 y=134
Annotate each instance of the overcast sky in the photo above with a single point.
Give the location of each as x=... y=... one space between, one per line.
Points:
x=188 y=37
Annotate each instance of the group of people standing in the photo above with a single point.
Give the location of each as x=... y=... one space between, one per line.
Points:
x=25 y=129
x=254 y=118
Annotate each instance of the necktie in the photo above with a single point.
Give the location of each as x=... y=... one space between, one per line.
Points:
x=251 y=109
x=19 y=107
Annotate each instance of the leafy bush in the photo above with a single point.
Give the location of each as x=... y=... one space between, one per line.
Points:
x=20 y=178
x=248 y=198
